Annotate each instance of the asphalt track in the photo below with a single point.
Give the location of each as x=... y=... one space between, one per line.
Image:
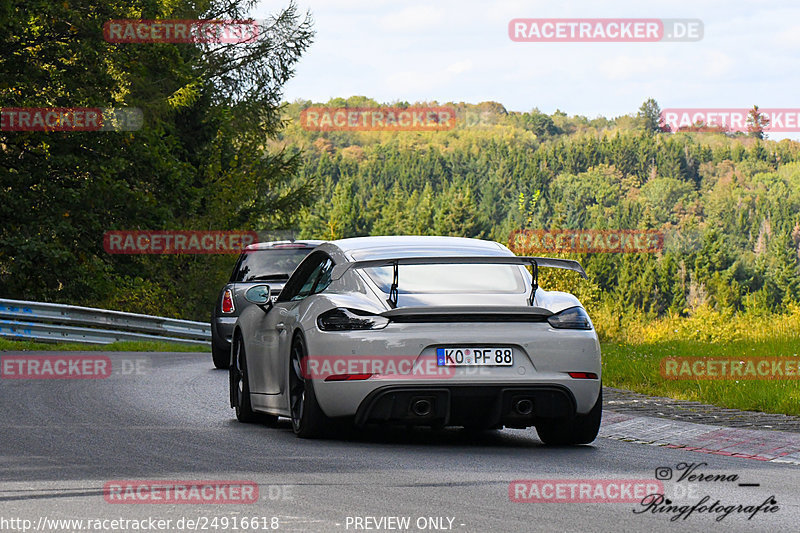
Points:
x=165 y=416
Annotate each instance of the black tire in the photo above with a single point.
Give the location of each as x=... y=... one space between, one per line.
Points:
x=240 y=387
x=308 y=420
x=221 y=357
x=582 y=429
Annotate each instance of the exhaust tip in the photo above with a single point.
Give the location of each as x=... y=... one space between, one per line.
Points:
x=421 y=407
x=524 y=407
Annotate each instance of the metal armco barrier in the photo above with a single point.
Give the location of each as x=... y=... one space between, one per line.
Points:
x=48 y=322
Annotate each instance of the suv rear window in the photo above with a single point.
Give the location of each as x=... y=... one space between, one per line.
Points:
x=269 y=264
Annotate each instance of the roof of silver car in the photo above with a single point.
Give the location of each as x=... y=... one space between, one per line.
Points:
x=412 y=245
x=279 y=244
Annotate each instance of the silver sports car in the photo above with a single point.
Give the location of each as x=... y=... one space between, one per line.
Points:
x=436 y=331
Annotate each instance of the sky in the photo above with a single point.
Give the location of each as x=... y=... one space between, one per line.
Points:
x=460 y=50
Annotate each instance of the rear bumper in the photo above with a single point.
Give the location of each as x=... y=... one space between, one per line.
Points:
x=222 y=331
x=542 y=357
x=463 y=405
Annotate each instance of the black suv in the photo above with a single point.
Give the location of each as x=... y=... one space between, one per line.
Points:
x=271 y=262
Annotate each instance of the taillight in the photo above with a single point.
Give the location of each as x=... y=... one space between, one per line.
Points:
x=227 y=302
x=342 y=319
x=572 y=318
x=348 y=377
x=582 y=375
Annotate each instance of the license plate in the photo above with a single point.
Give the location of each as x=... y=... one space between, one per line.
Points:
x=472 y=356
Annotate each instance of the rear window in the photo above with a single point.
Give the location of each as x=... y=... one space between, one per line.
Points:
x=447 y=279
x=270 y=264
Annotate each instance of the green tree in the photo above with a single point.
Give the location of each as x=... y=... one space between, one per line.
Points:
x=456 y=214
x=199 y=161
x=650 y=116
x=343 y=218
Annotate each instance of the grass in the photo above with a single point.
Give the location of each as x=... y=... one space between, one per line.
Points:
x=128 y=346
x=637 y=367
x=634 y=346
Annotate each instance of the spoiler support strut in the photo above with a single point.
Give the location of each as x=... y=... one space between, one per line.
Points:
x=534 y=280
x=393 y=294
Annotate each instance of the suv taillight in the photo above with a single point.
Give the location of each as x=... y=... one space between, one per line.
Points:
x=227 y=302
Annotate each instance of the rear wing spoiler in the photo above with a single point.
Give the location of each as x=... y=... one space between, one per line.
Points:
x=535 y=262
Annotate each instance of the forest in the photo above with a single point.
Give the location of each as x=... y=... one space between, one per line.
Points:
x=728 y=204
x=216 y=153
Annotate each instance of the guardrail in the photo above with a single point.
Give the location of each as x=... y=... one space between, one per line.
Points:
x=38 y=321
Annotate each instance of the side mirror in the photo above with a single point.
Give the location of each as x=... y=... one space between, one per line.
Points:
x=259 y=295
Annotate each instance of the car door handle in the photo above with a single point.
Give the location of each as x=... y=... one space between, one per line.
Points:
x=280 y=326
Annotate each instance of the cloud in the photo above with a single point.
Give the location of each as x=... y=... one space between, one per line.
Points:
x=459 y=67
x=632 y=68
x=413 y=19
x=788 y=37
